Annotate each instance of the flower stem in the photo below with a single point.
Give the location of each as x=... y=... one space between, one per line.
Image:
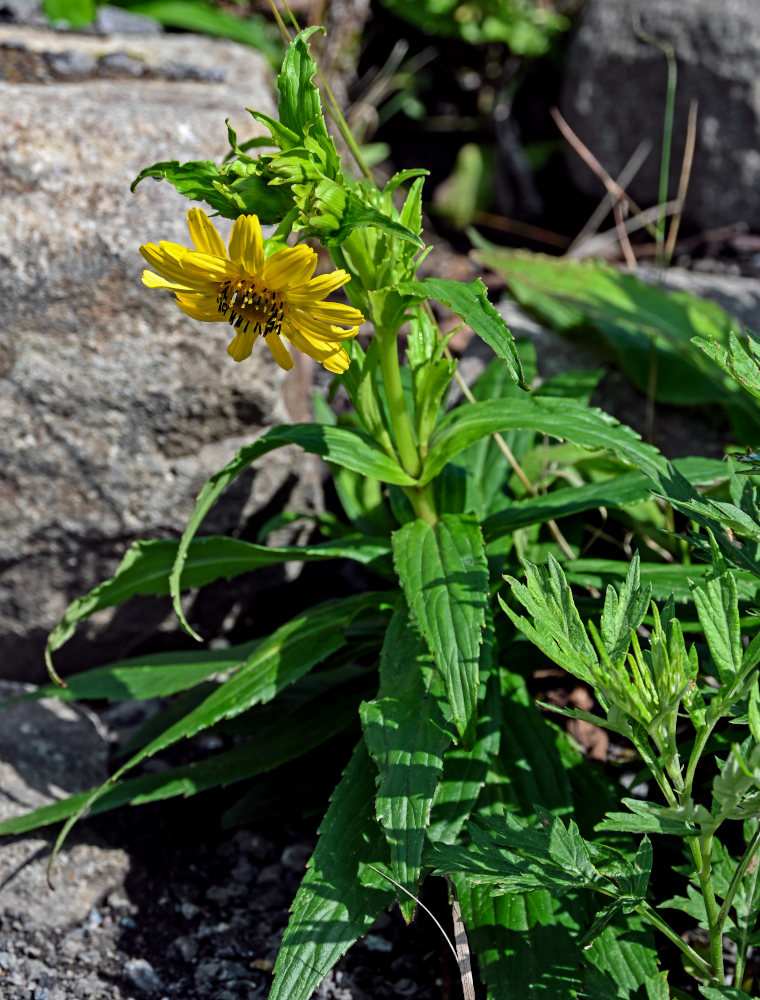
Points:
x=399 y=416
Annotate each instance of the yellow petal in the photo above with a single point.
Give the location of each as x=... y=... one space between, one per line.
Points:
x=335 y=312
x=338 y=362
x=317 y=288
x=246 y=245
x=320 y=330
x=204 y=235
x=240 y=348
x=153 y=280
x=205 y=267
x=289 y=267
x=279 y=351
x=317 y=349
x=165 y=263
x=199 y=307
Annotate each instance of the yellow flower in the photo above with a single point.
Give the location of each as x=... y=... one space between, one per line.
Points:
x=272 y=297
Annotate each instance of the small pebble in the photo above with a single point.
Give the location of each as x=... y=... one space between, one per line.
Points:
x=296 y=856
x=143 y=976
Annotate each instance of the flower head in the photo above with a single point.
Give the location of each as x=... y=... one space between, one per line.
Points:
x=272 y=297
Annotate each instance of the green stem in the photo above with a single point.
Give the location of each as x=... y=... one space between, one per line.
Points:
x=648 y=913
x=402 y=428
x=702 y=852
x=422 y=502
x=701 y=739
x=741 y=945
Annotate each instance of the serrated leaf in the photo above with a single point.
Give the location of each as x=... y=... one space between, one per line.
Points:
x=275 y=663
x=627 y=954
x=717 y=604
x=443 y=572
x=300 y=106
x=647 y=817
x=146 y=567
x=280 y=737
x=624 y=611
x=556 y=628
x=522 y=943
x=465 y=771
x=565 y=419
x=340 y=896
x=406 y=734
x=470 y=302
x=348 y=448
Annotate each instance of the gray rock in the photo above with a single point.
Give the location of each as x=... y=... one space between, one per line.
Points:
x=115 y=407
x=614 y=97
x=49 y=749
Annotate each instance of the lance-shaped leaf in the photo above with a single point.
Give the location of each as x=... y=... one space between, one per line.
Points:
x=565 y=419
x=147 y=565
x=340 y=896
x=618 y=491
x=276 y=662
x=406 y=734
x=280 y=736
x=348 y=448
x=444 y=575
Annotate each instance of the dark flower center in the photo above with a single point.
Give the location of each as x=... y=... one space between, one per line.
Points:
x=243 y=302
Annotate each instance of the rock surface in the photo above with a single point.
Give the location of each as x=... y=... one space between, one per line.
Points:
x=614 y=97
x=115 y=407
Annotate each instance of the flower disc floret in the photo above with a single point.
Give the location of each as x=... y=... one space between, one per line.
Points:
x=273 y=297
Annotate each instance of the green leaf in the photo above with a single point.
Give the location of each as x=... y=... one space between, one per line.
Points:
x=565 y=419
x=644 y=324
x=206 y=19
x=647 y=817
x=627 y=954
x=444 y=575
x=281 y=736
x=300 y=106
x=275 y=663
x=722 y=993
x=666 y=578
x=624 y=611
x=522 y=943
x=147 y=565
x=406 y=734
x=737 y=359
x=156 y=675
x=556 y=629
x=348 y=448
x=340 y=896
x=717 y=605
x=76 y=13
x=465 y=771
x=513 y=856
x=470 y=302
x=618 y=491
